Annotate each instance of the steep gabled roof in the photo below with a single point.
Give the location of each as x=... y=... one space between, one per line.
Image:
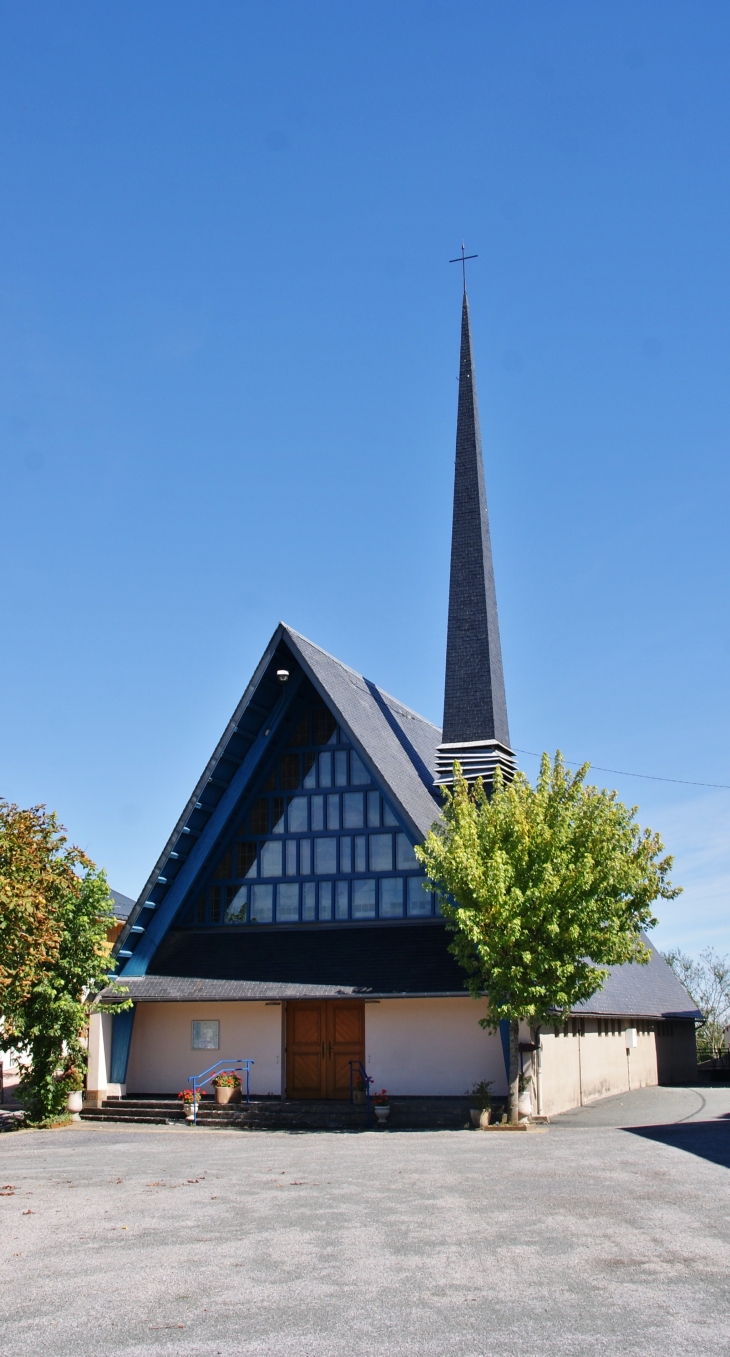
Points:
x=398 y=746
x=651 y=991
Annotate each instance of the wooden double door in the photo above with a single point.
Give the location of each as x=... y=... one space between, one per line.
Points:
x=322 y=1037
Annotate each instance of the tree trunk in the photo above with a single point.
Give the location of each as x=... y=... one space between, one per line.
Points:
x=514 y=1071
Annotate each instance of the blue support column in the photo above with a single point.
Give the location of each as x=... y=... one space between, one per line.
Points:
x=121 y=1043
x=504 y=1034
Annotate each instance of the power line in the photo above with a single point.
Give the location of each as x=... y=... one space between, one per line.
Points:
x=621 y=772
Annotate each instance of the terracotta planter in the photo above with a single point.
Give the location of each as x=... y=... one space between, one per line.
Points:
x=359 y=1097
x=224 y=1095
x=74 y=1103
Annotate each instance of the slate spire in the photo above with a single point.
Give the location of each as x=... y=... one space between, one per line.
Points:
x=475 y=708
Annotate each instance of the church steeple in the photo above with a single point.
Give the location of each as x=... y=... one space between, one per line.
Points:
x=475 y=708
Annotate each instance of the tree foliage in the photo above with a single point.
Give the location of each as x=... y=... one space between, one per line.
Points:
x=707 y=980
x=55 y=912
x=544 y=888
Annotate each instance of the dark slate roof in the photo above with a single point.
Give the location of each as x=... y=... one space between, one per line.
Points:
x=123 y=905
x=651 y=991
x=399 y=744
x=172 y=989
x=406 y=958
x=475 y=706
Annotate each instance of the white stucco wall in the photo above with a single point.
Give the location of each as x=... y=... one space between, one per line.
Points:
x=577 y=1070
x=161 y=1059
x=431 y=1046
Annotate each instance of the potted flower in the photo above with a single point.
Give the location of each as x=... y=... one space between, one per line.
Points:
x=359 y=1091
x=382 y=1106
x=73 y=1082
x=481 y=1109
x=524 y=1102
x=188 y=1101
x=226 y=1084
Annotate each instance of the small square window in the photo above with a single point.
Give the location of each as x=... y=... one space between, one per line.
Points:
x=388 y=816
x=373 y=810
x=260 y=816
x=291 y=857
x=419 y=900
x=310 y=770
x=297 y=814
x=308 y=900
x=363 y=899
x=391 y=897
x=381 y=852
x=271 y=858
x=215 y=904
x=301 y=734
x=360 y=861
x=333 y=811
x=325 y=899
x=305 y=857
x=270 y=783
x=325 y=770
x=287 y=903
x=324 y=726
x=325 y=857
x=223 y=871
x=341 y=900
x=262 y=904
x=346 y=855
x=341 y=768
x=200 y=909
x=353 y=810
x=406 y=859
x=359 y=775
x=206 y=1034
x=289 y=772
x=277 y=811
x=245 y=860
x=236 y=907
x=317 y=812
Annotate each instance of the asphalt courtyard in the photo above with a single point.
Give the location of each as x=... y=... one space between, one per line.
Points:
x=584 y=1238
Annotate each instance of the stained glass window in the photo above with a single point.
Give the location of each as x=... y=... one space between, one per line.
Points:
x=310 y=871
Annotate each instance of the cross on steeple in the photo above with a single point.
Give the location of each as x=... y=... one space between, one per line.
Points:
x=461 y=259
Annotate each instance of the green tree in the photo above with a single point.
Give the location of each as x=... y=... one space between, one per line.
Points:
x=55 y=913
x=707 y=979
x=543 y=887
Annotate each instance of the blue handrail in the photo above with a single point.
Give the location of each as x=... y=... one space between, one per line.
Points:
x=208 y=1076
x=366 y=1079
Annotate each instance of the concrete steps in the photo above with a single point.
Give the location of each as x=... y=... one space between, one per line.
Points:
x=274 y=1114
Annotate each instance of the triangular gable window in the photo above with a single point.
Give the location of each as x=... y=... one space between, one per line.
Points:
x=317 y=841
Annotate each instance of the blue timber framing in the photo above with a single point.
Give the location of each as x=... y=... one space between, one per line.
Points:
x=121 y=1042
x=165 y=913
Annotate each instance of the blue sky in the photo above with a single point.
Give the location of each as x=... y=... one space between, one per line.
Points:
x=228 y=358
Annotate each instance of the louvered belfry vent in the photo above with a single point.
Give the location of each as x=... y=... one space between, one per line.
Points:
x=475 y=731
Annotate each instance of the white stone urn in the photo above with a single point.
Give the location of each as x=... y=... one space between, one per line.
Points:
x=524 y=1103
x=485 y=1118
x=74 y=1104
x=382 y=1112
x=189 y=1110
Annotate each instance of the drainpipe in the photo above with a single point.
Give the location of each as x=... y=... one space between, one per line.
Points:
x=580 y=1069
x=538 y=1069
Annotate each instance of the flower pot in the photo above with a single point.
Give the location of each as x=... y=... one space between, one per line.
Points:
x=359 y=1097
x=189 y=1111
x=74 y=1103
x=224 y=1095
x=524 y=1104
x=382 y=1113
x=475 y=1113
x=485 y=1118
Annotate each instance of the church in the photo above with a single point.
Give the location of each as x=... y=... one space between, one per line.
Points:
x=287 y=920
